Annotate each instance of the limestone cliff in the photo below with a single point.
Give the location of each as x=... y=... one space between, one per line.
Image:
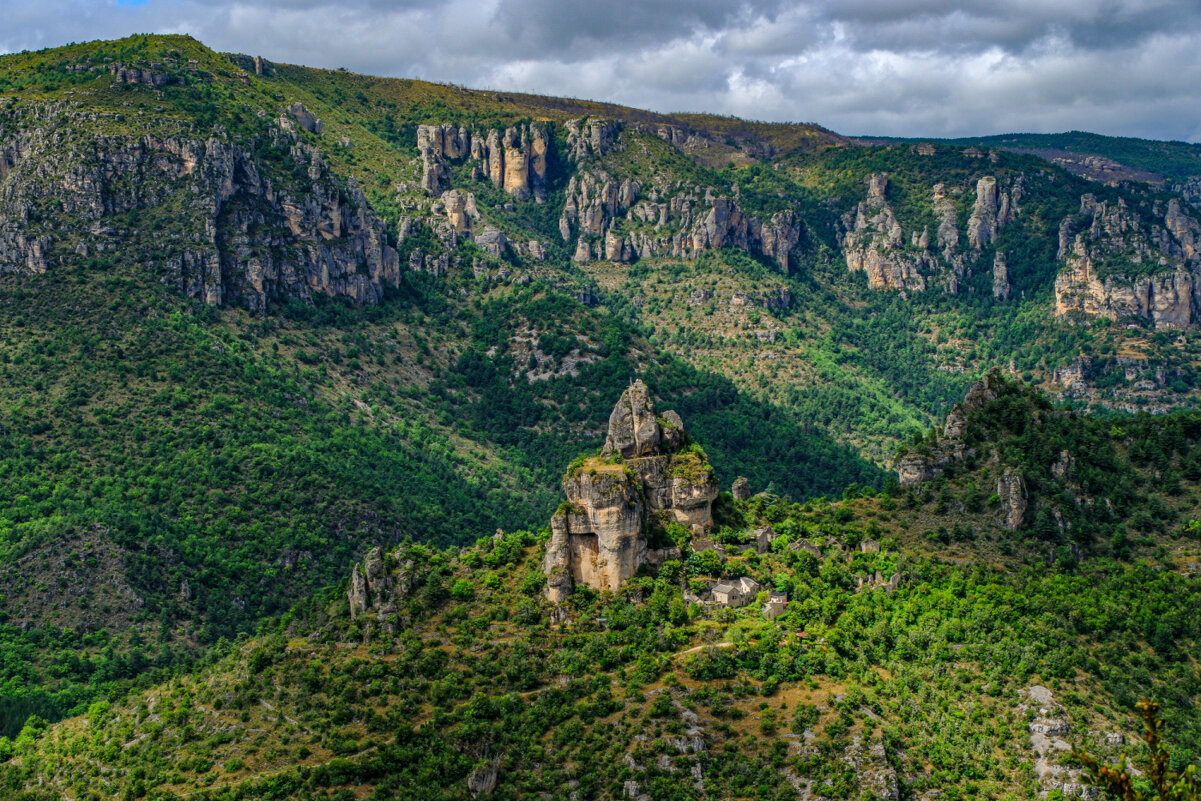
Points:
x=514 y=160
x=874 y=242
x=1122 y=263
x=621 y=221
x=209 y=214
x=646 y=469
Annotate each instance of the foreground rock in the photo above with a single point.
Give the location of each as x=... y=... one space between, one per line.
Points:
x=647 y=473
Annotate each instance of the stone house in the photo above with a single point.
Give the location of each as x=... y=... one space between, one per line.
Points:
x=806 y=546
x=777 y=604
x=761 y=539
x=735 y=593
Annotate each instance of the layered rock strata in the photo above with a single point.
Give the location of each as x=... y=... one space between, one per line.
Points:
x=598 y=536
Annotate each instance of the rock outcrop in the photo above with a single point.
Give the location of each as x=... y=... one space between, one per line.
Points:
x=741 y=489
x=482 y=780
x=376 y=588
x=924 y=462
x=991 y=210
x=1119 y=265
x=647 y=472
x=305 y=118
x=1000 y=277
x=873 y=241
x=236 y=235
x=1011 y=489
x=621 y=221
x=591 y=137
x=1047 y=732
x=514 y=160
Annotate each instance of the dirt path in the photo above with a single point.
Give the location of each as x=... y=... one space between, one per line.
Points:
x=703 y=647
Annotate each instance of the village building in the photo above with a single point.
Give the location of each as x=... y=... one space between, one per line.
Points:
x=735 y=593
x=777 y=604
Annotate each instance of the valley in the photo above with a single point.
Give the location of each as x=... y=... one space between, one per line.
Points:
x=315 y=486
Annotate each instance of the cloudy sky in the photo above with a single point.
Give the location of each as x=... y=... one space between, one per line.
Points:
x=889 y=67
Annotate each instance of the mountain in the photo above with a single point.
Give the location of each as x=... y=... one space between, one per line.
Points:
x=258 y=318
x=1109 y=159
x=869 y=659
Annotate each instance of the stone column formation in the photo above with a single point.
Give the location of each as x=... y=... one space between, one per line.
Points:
x=645 y=469
x=515 y=159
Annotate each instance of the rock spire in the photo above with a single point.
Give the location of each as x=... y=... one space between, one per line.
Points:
x=647 y=473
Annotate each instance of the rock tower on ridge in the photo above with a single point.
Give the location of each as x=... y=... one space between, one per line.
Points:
x=646 y=470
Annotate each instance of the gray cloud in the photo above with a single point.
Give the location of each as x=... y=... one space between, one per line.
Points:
x=904 y=67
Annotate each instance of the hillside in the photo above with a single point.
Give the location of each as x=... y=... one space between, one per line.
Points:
x=260 y=317
x=1112 y=158
x=965 y=673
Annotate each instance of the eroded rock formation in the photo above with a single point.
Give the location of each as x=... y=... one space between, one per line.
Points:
x=647 y=470
x=514 y=159
x=377 y=588
x=236 y=235
x=874 y=242
x=1119 y=264
x=621 y=220
x=1011 y=489
x=1000 y=276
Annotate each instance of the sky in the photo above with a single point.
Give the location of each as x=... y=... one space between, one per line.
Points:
x=921 y=68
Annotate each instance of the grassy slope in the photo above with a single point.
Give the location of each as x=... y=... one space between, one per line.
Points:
x=253 y=457
x=318 y=704
x=1177 y=161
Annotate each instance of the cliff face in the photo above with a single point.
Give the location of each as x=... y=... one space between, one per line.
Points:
x=598 y=537
x=621 y=221
x=1122 y=263
x=222 y=231
x=514 y=160
x=874 y=242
